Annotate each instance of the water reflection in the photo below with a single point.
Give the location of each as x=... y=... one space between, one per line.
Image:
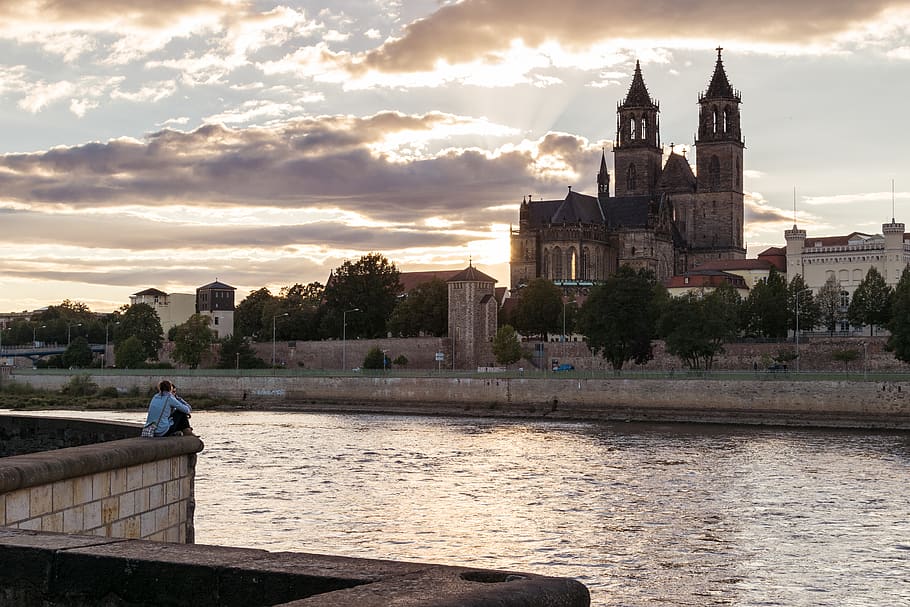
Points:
x=643 y=514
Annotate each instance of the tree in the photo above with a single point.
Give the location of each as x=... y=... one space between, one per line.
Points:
x=130 y=353
x=506 y=345
x=899 y=325
x=249 y=315
x=425 y=311
x=766 y=309
x=538 y=310
x=845 y=356
x=236 y=353
x=829 y=303
x=141 y=321
x=800 y=298
x=620 y=316
x=302 y=304
x=695 y=326
x=376 y=359
x=78 y=354
x=371 y=285
x=871 y=302
x=193 y=339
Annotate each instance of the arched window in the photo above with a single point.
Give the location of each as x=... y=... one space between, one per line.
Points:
x=714 y=122
x=586 y=263
x=572 y=264
x=557 y=263
x=546 y=263
x=631 y=178
x=714 y=173
x=728 y=119
x=632 y=128
x=844 y=299
x=644 y=128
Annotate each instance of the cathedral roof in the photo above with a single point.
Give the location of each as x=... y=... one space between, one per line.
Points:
x=677 y=175
x=578 y=208
x=628 y=211
x=638 y=95
x=719 y=86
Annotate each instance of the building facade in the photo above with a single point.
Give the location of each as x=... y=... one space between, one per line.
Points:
x=472 y=316
x=216 y=300
x=172 y=308
x=661 y=216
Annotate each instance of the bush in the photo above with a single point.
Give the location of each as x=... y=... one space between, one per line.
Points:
x=14 y=387
x=80 y=385
x=376 y=359
x=109 y=392
x=401 y=360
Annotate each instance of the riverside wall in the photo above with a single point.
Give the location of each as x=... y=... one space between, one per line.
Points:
x=763 y=400
x=55 y=478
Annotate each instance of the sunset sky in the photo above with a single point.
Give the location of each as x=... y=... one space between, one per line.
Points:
x=170 y=143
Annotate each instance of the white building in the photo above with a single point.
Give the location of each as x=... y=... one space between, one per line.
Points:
x=173 y=308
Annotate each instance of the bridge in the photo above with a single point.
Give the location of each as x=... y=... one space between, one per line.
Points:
x=37 y=352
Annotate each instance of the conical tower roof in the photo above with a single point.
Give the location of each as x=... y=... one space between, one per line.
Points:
x=638 y=95
x=720 y=86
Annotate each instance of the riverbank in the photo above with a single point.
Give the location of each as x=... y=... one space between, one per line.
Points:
x=824 y=403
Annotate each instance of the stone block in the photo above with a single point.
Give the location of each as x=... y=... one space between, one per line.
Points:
x=91 y=515
x=52 y=522
x=126 y=504
x=149 y=474
x=32 y=524
x=72 y=520
x=110 y=510
x=41 y=500
x=148 y=524
x=17 y=506
x=156 y=496
x=63 y=494
x=82 y=490
x=133 y=478
x=118 y=481
x=101 y=485
x=142 y=500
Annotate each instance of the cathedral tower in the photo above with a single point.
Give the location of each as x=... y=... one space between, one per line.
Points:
x=603 y=180
x=718 y=217
x=637 y=155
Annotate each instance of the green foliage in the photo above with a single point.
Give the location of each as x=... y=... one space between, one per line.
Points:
x=829 y=303
x=539 y=309
x=765 y=312
x=800 y=297
x=130 y=353
x=249 y=315
x=236 y=352
x=425 y=311
x=15 y=387
x=401 y=361
x=620 y=316
x=80 y=385
x=785 y=356
x=696 y=326
x=871 y=303
x=506 y=345
x=78 y=354
x=376 y=359
x=845 y=356
x=193 y=339
x=369 y=284
x=108 y=392
x=142 y=322
x=899 y=325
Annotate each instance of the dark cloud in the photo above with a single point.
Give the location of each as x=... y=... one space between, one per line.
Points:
x=756 y=214
x=311 y=163
x=153 y=15
x=477 y=29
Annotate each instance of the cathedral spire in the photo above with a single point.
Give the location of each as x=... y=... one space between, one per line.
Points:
x=638 y=95
x=719 y=87
x=603 y=177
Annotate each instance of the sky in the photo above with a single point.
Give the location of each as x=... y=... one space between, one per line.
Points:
x=263 y=144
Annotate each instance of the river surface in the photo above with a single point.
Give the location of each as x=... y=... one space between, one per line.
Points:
x=665 y=514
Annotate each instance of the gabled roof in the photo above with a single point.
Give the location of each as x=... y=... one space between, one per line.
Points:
x=217 y=285
x=471 y=274
x=705 y=278
x=638 y=95
x=677 y=175
x=578 y=208
x=719 y=87
x=836 y=241
x=149 y=292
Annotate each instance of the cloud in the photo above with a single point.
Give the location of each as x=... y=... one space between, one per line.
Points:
x=477 y=30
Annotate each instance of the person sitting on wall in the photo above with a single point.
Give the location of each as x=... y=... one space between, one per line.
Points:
x=169 y=412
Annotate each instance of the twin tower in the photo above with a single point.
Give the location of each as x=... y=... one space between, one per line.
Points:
x=662 y=216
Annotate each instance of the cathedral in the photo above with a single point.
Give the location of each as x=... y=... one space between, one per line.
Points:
x=662 y=216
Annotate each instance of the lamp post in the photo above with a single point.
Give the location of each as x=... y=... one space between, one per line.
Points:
x=35 y=334
x=69 y=326
x=274 y=318
x=107 y=327
x=344 y=335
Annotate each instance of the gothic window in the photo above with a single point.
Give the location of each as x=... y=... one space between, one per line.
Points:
x=546 y=263
x=631 y=178
x=632 y=128
x=728 y=120
x=644 y=128
x=714 y=173
x=557 y=263
x=586 y=264
x=714 y=123
x=572 y=264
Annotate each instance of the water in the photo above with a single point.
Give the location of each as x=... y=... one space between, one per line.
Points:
x=642 y=514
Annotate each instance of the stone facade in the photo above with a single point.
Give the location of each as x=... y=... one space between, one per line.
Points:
x=472 y=316
x=662 y=216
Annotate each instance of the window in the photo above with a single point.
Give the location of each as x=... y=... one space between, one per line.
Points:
x=644 y=127
x=632 y=128
x=216 y=321
x=844 y=299
x=714 y=122
x=573 y=264
x=557 y=264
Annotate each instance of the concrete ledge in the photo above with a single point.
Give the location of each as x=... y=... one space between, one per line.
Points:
x=34 y=469
x=50 y=570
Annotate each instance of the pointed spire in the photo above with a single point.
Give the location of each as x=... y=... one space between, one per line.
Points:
x=603 y=162
x=720 y=86
x=638 y=95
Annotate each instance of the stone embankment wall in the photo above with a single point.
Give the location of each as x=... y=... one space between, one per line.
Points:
x=767 y=399
x=128 y=488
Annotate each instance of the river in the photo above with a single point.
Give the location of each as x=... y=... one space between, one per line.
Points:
x=642 y=514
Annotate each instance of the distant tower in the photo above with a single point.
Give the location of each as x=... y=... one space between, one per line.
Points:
x=472 y=317
x=637 y=155
x=216 y=300
x=718 y=229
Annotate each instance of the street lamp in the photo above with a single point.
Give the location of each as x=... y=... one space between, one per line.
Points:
x=69 y=326
x=344 y=334
x=104 y=353
x=35 y=334
x=274 y=318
